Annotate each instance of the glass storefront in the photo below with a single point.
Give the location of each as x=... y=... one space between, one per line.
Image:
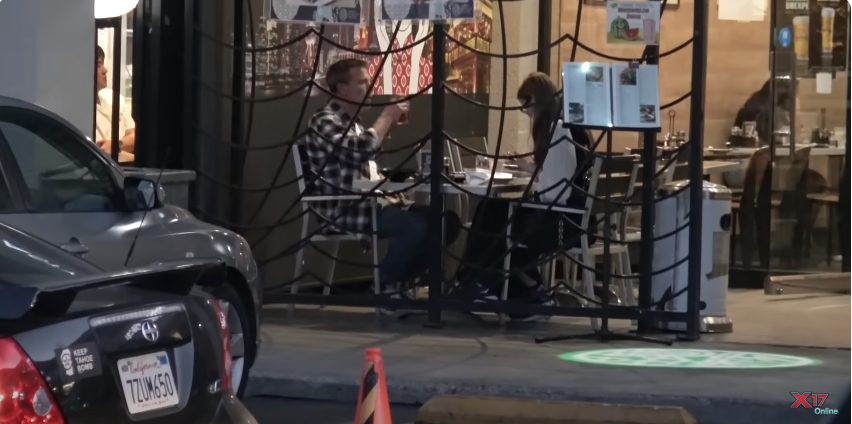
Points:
x=778 y=76
x=791 y=137
x=809 y=128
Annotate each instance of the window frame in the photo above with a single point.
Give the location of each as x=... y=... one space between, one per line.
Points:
x=15 y=177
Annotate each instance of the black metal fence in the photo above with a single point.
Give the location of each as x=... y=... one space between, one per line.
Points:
x=232 y=141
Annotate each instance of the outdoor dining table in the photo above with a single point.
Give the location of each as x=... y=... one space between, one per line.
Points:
x=499 y=188
x=515 y=185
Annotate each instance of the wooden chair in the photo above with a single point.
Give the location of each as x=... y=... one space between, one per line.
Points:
x=743 y=212
x=831 y=201
x=790 y=203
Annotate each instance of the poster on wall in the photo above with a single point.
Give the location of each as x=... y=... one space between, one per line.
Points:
x=818 y=29
x=339 y=12
x=827 y=21
x=633 y=22
x=429 y=10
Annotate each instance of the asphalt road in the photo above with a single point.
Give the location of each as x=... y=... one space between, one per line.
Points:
x=270 y=410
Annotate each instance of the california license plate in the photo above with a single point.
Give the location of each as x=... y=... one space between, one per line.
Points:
x=148 y=382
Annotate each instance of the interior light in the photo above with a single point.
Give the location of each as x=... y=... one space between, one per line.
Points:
x=584 y=67
x=113 y=8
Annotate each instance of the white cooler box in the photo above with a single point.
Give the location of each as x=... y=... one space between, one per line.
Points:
x=672 y=214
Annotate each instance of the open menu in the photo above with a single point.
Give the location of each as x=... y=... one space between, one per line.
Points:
x=604 y=95
x=635 y=96
x=586 y=93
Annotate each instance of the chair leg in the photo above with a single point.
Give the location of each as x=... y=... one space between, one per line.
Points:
x=507 y=264
x=830 y=228
x=300 y=258
x=589 y=276
x=569 y=269
x=329 y=276
x=628 y=282
x=377 y=284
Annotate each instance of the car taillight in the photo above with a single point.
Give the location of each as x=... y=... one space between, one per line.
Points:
x=226 y=344
x=24 y=395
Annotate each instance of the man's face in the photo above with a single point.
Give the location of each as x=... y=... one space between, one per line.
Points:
x=101 y=72
x=356 y=90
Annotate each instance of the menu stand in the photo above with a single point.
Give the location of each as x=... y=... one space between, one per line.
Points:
x=604 y=334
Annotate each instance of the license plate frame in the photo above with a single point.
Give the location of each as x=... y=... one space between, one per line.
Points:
x=148 y=382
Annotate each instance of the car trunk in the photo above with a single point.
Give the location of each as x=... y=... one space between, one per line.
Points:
x=122 y=353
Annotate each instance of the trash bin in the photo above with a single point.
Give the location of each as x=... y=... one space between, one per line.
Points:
x=175 y=182
x=671 y=214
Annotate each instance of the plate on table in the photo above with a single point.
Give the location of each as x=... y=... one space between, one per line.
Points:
x=148 y=382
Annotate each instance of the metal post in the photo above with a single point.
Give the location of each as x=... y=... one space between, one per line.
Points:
x=791 y=97
x=696 y=174
x=843 y=204
x=436 y=198
x=115 y=137
x=545 y=8
x=188 y=160
x=606 y=270
x=237 y=124
x=646 y=223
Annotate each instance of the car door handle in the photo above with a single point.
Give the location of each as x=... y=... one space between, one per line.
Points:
x=75 y=248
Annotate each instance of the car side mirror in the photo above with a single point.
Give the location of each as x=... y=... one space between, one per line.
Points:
x=141 y=194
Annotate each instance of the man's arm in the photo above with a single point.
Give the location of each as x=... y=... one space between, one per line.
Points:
x=128 y=141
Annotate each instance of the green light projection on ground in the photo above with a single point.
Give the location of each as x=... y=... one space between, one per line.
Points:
x=687 y=358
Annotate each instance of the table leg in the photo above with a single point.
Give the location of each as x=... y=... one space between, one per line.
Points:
x=830 y=229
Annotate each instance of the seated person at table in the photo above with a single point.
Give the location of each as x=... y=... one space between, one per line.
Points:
x=103 y=116
x=756 y=109
x=534 y=232
x=339 y=150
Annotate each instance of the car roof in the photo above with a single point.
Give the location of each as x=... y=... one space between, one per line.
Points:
x=6 y=101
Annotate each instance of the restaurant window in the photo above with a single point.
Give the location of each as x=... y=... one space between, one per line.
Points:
x=809 y=127
x=118 y=59
x=106 y=41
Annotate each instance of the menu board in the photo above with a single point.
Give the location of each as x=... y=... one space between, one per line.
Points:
x=633 y=22
x=615 y=96
x=635 y=96
x=323 y=11
x=819 y=31
x=432 y=10
x=586 y=93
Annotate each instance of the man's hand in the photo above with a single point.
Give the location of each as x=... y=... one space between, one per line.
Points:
x=395 y=111
x=105 y=145
x=389 y=117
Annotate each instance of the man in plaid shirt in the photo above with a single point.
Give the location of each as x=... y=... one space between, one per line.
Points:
x=340 y=150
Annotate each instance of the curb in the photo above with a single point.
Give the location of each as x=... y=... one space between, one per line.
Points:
x=449 y=409
x=706 y=410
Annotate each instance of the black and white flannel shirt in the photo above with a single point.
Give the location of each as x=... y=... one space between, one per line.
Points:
x=339 y=149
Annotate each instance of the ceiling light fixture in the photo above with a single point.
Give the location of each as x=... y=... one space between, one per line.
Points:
x=113 y=8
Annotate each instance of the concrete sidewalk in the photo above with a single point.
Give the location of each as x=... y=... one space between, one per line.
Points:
x=318 y=354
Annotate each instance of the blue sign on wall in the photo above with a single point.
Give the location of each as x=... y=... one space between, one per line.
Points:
x=785 y=36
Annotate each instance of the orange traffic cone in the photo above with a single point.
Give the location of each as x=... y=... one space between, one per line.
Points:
x=373 y=405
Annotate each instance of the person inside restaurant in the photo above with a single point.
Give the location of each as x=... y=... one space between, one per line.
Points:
x=535 y=232
x=103 y=115
x=339 y=150
x=756 y=109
